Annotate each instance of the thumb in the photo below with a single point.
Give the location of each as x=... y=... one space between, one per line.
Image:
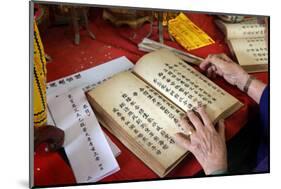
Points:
x=221 y=129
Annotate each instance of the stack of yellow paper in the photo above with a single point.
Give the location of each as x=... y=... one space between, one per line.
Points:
x=187 y=33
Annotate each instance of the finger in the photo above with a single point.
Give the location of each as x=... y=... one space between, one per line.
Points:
x=213 y=75
x=221 y=129
x=214 y=69
x=196 y=122
x=219 y=72
x=209 y=72
x=218 y=60
x=205 y=117
x=215 y=60
x=226 y=58
x=183 y=140
x=185 y=125
x=205 y=64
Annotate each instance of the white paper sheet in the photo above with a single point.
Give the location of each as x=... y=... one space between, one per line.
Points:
x=149 y=45
x=86 y=147
x=87 y=80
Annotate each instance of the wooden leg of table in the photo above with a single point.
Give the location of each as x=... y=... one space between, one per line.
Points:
x=75 y=26
x=160 y=27
x=87 y=24
x=151 y=26
x=170 y=35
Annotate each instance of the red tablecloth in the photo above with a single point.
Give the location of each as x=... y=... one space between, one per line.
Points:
x=112 y=42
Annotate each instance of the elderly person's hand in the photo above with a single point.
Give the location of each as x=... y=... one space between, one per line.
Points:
x=203 y=141
x=220 y=64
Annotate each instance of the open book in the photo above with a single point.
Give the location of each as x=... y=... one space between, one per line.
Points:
x=246 y=42
x=142 y=108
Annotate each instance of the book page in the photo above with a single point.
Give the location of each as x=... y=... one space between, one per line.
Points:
x=244 y=29
x=148 y=118
x=183 y=85
x=250 y=51
x=85 y=145
x=87 y=80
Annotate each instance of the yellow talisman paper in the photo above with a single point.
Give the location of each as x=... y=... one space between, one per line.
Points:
x=187 y=33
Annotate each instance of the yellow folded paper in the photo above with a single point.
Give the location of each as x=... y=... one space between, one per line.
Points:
x=187 y=33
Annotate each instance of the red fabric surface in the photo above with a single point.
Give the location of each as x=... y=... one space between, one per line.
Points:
x=112 y=42
x=51 y=169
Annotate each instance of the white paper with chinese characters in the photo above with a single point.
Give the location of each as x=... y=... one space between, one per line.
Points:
x=87 y=80
x=86 y=147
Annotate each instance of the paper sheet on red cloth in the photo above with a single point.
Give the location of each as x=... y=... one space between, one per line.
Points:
x=112 y=42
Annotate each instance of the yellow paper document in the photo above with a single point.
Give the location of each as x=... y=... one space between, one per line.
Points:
x=187 y=33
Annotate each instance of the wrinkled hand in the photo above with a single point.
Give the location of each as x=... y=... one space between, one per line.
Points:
x=203 y=141
x=222 y=65
x=51 y=135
